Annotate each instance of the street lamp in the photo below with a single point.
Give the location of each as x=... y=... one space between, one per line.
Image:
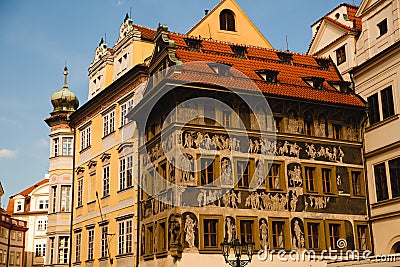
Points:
x=238 y=249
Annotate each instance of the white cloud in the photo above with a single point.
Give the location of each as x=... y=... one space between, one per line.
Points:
x=6 y=153
x=42 y=143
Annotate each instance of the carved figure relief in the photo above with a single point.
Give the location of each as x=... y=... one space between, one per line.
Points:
x=317 y=202
x=259 y=174
x=190 y=229
x=126 y=27
x=298 y=241
x=276 y=202
x=329 y=153
x=288 y=149
x=293 y=122
x=231 y=199
x=295 y=176
x=264 y=244
x=174 y=229
x=230 y=229
x=208 y=197
x=187 y=168
x=226 y=171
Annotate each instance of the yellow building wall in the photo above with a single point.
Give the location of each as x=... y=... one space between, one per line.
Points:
x=246 y=32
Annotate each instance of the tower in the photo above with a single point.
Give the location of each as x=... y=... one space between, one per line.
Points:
x=60 y=175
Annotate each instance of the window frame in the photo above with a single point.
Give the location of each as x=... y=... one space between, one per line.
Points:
x=387 y=102
x=342 y=233
x=162 y=238
x=394 y=177
x=125 y=172
x=224 y=20
x=358 y=224
x=341 y=55
x=219 y=232
x=321 y=234
x=109 y=123
x=383 y=27
x=281 y=175
x=383 y=181
x=64 y=249
x=239 y=182
x=85 y=136
x=352 y=185
x=255 y=229
x=318 y=179
x=286 y=232
x=125 y=108
x=215 y=171
x=90 y=247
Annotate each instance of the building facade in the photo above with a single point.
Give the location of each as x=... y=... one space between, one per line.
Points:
x=291 y=178
x=12 y=240
x=31 y=205
x=105 y=185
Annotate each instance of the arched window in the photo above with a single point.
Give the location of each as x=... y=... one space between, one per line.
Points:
x=396 y=248
x=227 y=20
x=308 y=123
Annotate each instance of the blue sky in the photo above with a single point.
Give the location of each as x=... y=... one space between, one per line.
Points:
x=37 y=37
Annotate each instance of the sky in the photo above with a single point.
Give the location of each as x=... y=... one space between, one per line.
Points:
x=38 y=37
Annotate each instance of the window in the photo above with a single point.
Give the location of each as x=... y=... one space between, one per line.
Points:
x=12 y=258
x=125 y=108
x=90 y=244
x=85 y=138
x=125 y=237
x=42 y=225
x=149 y=239
x=274 y=177
x=51 y=250
x=394 y=170
x=308 y=123
x=210 y=236
x=106 y=181
x=246 y=231
x=18 y=258
x=1 y=256
x=19 y=236
x=269 y=76
x=55 y=147
x=39 y=251
x=63 y=249
x=285 y=58
x=240 y=51
x=278 y=234
x=326 y=180
x=109 y=123
x=309 y=173
x=362 y=237
x=226 y=118
x=67 y=146
x=19 y=205
x=387 y=102
x=380 y=182
x=193 y=44
x=337 y=129
x=162 y=171
x=53 y=198
x=277 y=124
x=65 y=198
x=207 y=171
x=313 y=235
x=123 y=63
x=227 y=20
x=334 y=234
x=125 y=172
x=162 y=240
x=357 y=183
x=341 y=55
x=79 y=195
x=78 y=243
x=373 y=109
x=382 y=27
x=43 y=204
x=104 y=241
x=243 y=173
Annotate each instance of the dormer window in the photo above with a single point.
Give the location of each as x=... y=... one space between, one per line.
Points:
x=19 y=205
x=323 y=63
x=341 y=86
x=240 y=51
x=220 y=69
x=193 y=44
x=270 y=76
x=341 y=55
x=227 y=20
x=383 y=27
x=285 y=58
x=316 y=83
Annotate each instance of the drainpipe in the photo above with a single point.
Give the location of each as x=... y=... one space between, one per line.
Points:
x=9 y=244
x=72 y=202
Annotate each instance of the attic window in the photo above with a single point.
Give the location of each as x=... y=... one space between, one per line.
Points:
x=239 y=51
x=346 y=17
x=220 y=69
x=270 y=76
x=383 y=27
x=316 y=83
x=341 y=86
x=227 y=20
x=323 y=63
x=193 y=44
x=285 y=58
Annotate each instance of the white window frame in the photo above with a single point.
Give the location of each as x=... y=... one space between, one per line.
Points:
x=78 y=243
x=86 y=137
x=65 y=203
x=79 y=195
x=63 y=249
x=56 y=147
x=125 y=235
x=67 y=146
x=109 y=123
x=126 y=172
x=125 y=108
x=106 y=180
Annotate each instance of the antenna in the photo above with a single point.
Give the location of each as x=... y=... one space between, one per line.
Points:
x=105 y=41
x=287 y=43
x=130 y=12
x=102 y=220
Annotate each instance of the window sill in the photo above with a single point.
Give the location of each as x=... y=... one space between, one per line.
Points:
x=79 y=207
x=162 y=254
x=148 y=257
x=103 y=259
x=125 y=189
x=91 y=202
x=105 y=197
x=382 y=122
x=76 y=263
x=89 y=261
x=386 y=202
x=120 y=256
x=85 y=149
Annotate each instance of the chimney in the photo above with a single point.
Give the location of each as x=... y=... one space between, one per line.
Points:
x=206 y=11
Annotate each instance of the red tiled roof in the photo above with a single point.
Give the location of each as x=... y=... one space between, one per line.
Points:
x=25 y=193
x=351 y=12
x=147 y=33
x=291 y=83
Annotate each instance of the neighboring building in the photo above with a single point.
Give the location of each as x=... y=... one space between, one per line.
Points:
x=105 y=184
x=335 y=36
x=313 y=193
x=57 y=246
x=12 y=240
x=376 y=79
x=31 y=205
